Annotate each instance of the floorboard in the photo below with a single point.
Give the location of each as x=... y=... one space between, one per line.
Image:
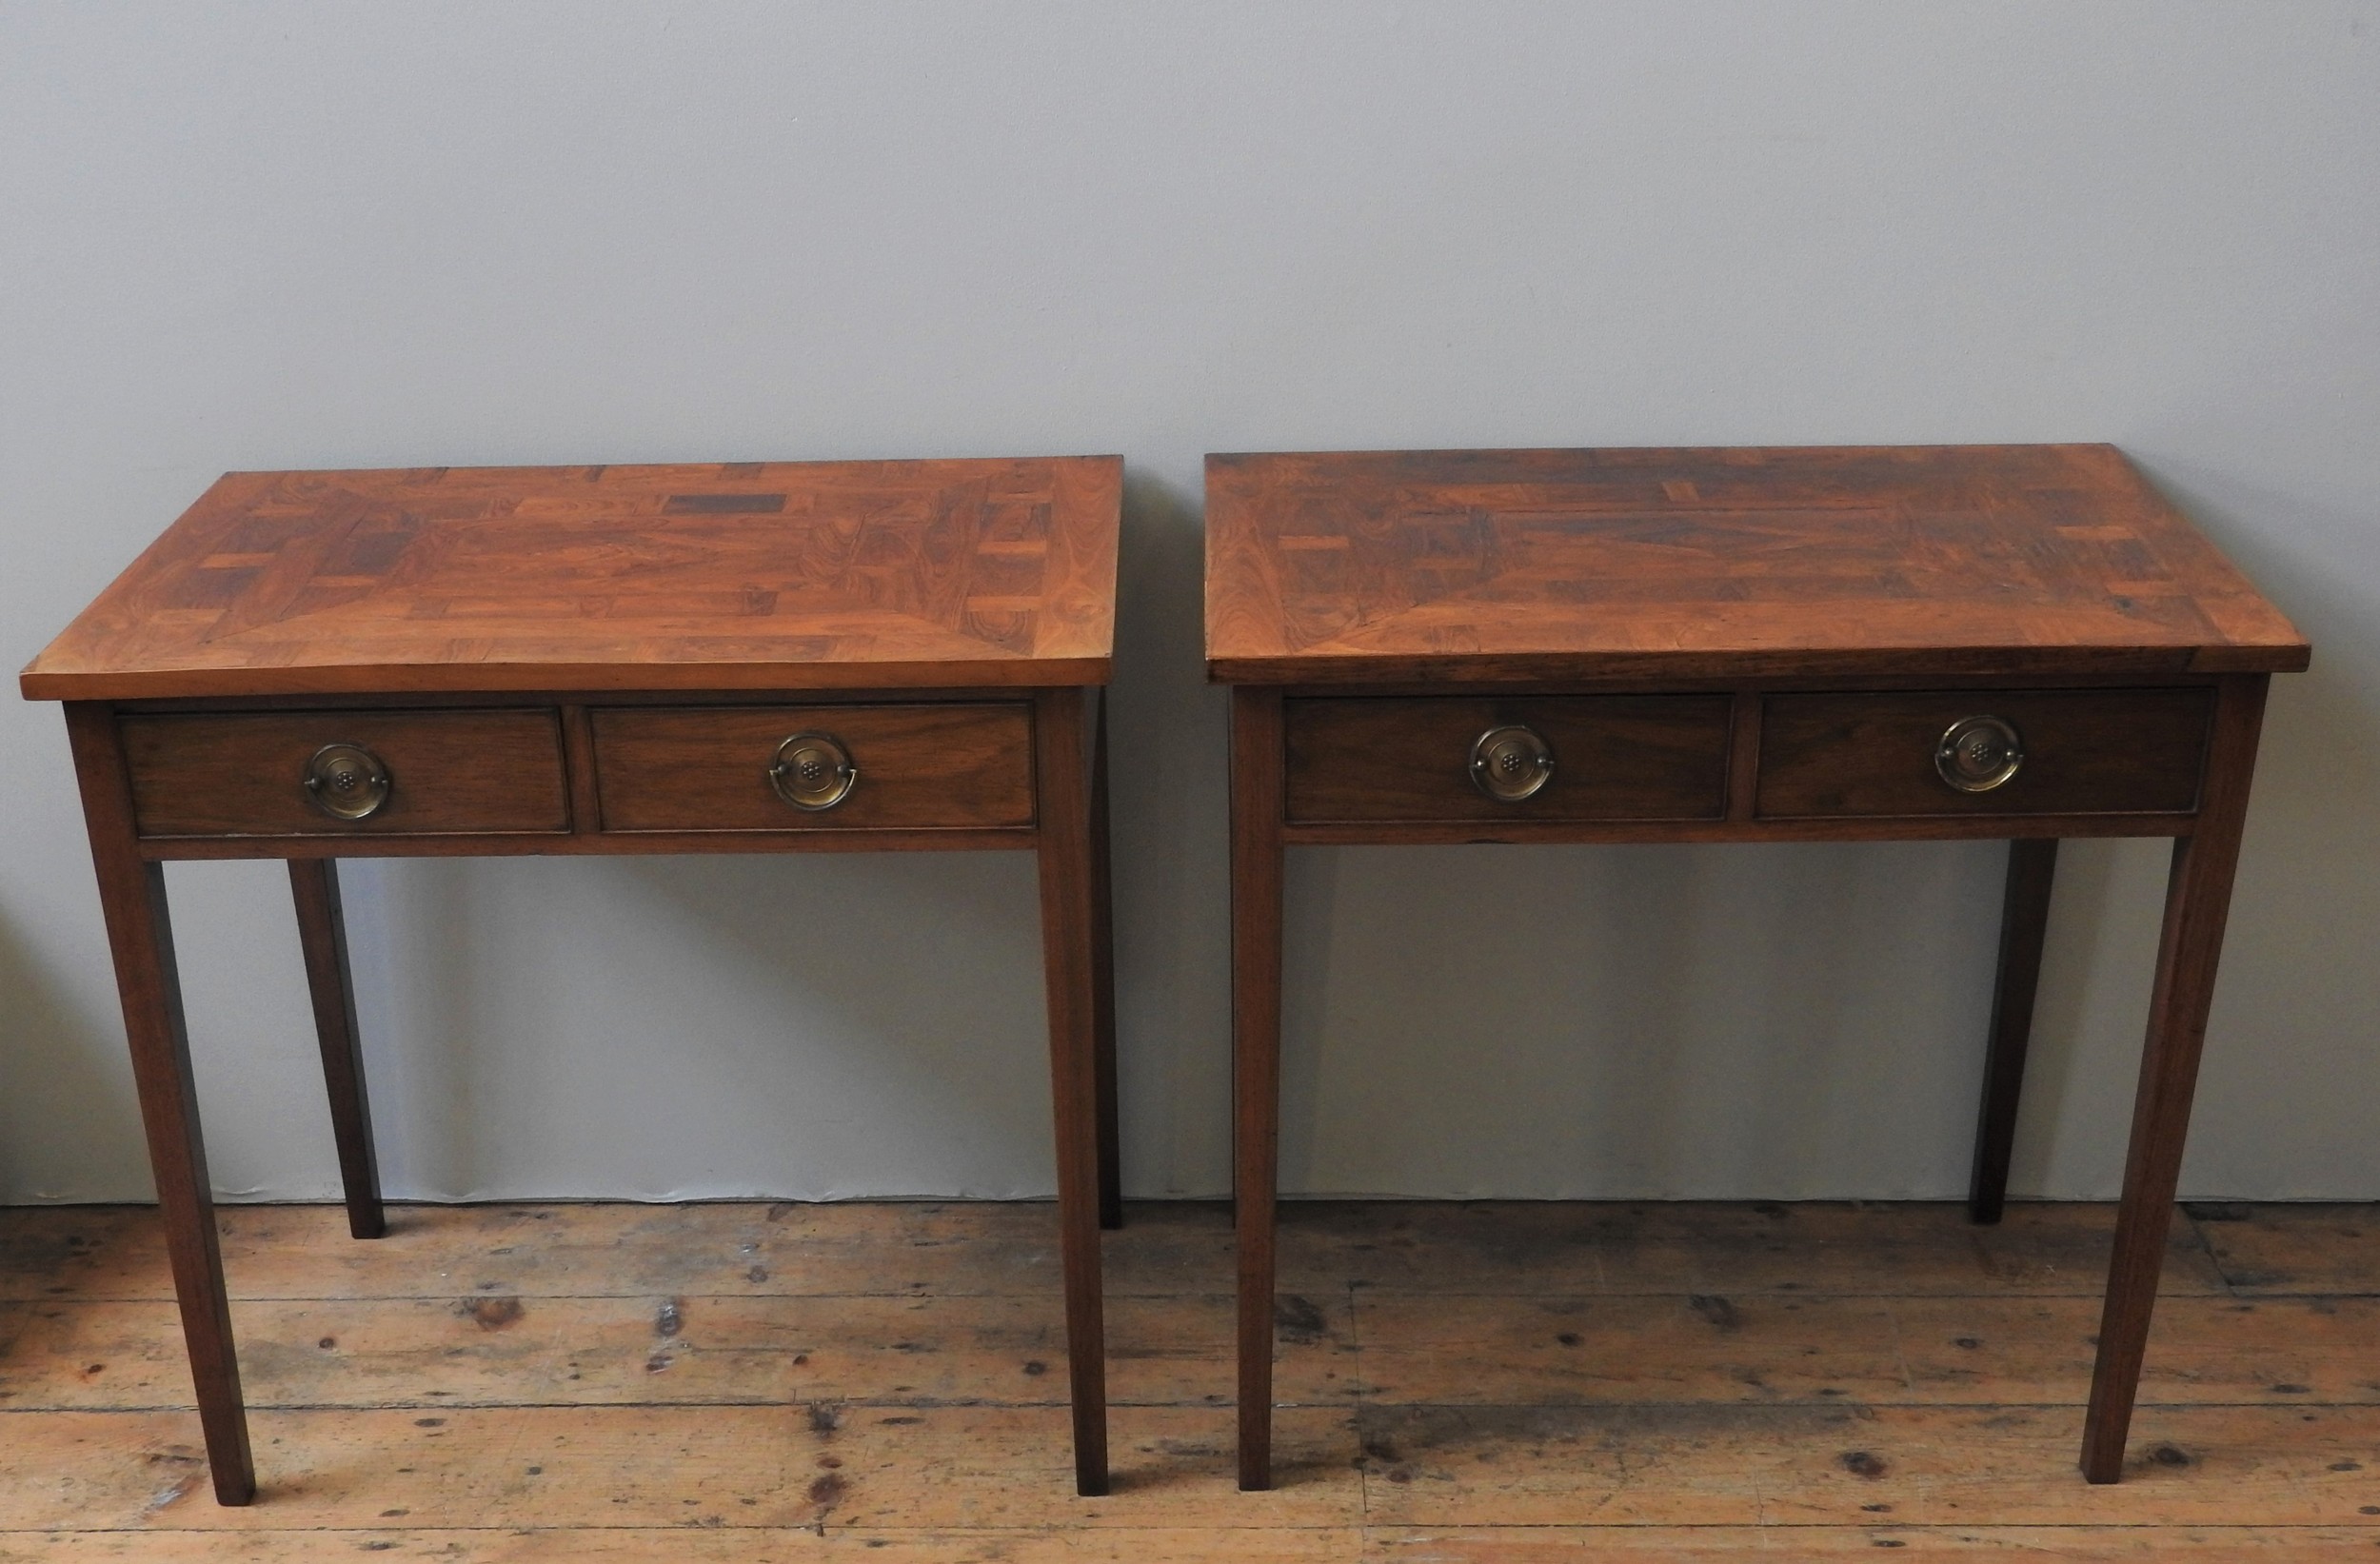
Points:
x=1460 y=1383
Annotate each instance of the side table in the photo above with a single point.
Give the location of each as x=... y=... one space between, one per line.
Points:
x=1740 y=645
x=733 y=658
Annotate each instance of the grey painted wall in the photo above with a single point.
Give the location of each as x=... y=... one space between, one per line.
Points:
x=292 y=235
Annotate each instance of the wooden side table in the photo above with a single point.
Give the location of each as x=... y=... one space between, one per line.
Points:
x=1740 y=645
x=742 y=657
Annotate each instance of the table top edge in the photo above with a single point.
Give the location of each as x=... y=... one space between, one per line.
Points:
x=559 y=680
x=1474 y=669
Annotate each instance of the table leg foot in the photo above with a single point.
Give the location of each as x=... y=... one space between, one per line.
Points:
x=2024 y=924
x=323 y=937
x=2198 y=900
x=1256 y=853
x=1103 y=981
x=1068 y=938
x=140 y=936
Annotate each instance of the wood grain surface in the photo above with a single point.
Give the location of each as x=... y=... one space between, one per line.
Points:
x=1618 y=1381
x=1501 y=566
x=1616 y=757
x=716 y=576
x=919 y=767
x=1003 y=1249
x=2086 y=752
x=243 y=774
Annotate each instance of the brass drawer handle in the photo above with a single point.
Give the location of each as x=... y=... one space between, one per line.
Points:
x=346 y=782
x=1978 y=754
x=813 y=771
x=1510 y=764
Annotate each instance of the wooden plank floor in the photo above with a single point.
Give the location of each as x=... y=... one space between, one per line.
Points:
x=1459 y=1382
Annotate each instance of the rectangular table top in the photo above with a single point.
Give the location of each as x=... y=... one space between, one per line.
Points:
x=1715 y=564
x=811 y=575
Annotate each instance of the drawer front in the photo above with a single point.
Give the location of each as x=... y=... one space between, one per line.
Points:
x=246 y=773
x=918 y=768
x=1611 y=756
x=2083 y=752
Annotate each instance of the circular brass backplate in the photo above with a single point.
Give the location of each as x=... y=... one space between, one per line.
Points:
x=1511 y=764
x=813 y=771
x=1977 y=754
x=346 y=782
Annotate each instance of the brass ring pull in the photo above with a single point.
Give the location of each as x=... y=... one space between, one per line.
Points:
x=346 y=782
x=1978 y=754
x=813 y=772
x=1510 y=764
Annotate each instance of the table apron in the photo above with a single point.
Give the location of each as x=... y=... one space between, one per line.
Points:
x=592 y=843
x=479 y=771
x=1853 y=828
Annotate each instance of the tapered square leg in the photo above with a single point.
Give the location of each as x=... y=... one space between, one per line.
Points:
x=2197 y=899
x=2023 y=926
x=140 y=935
x=1103 y=977
x=1256 y=979
x=323 y=937
x=1069 y=919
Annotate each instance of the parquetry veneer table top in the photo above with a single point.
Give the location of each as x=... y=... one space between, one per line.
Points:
x=715 y=576
x=1495 y=565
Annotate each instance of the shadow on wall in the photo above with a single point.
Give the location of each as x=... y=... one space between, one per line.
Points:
x=1637 y=1021
x=1624 y=1023
x=64 y=1080
x=1167 y=739
x=819 y=1026
x=1621 y=1021
x=794 y=1025
x=814 y=1025
x=2295 y=1036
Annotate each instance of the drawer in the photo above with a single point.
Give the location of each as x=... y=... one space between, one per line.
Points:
x=247 y=772
x=1611 y=756
x=918 y=768
x=2080 y=752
